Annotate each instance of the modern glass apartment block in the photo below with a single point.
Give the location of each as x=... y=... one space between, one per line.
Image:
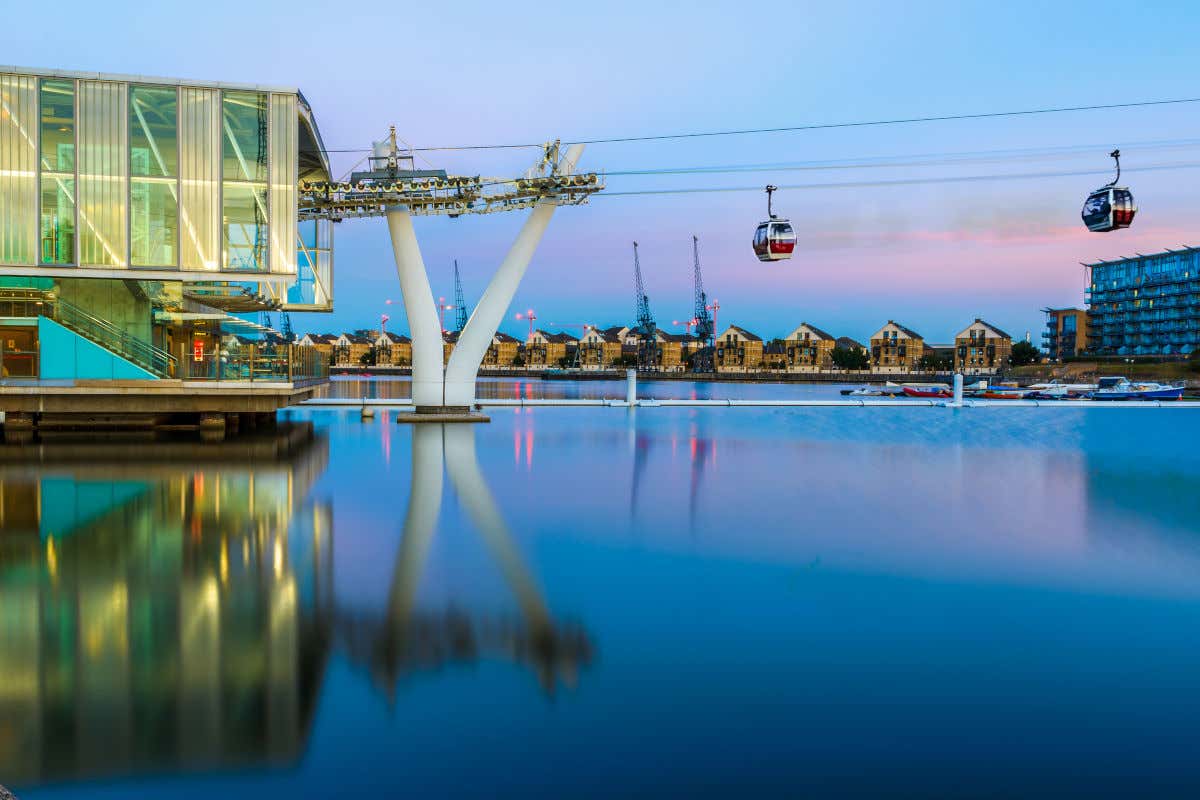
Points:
x=140 y=214
x=1066 y=333
x=1148 y=305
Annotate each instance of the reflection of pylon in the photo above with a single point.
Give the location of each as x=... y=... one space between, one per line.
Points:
x=556 y=651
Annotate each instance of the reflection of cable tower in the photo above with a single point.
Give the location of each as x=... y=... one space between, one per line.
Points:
x=705 y=325
x=409 y=640
x=460 y=305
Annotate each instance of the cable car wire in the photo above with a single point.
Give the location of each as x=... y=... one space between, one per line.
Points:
x=901 y=181
x=798 y=128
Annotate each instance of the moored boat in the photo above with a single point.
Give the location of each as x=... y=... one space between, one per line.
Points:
x=1117 y=387
x=928 y=391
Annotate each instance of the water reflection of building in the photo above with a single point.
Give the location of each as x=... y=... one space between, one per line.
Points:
x=161 y=615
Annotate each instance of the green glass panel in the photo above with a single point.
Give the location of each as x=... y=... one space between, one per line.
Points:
x=58 y=126
x=154 y=223
x=153 y=122
x=244 y=134
x=245 y=226
x=58 y=220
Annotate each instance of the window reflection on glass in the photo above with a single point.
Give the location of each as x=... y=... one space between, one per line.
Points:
x=58 y=220
x=58 y=126
x=244 y=124
x=154 y=223
x=245 y=227
x=153 y=117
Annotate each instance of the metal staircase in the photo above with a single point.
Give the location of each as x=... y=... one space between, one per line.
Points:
x=107 y=335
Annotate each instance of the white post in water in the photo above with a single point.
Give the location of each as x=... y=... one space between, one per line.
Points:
x=631 y=386
x=958 y=389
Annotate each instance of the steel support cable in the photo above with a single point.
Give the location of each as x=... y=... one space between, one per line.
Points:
x=810 y=127
x=903 y=181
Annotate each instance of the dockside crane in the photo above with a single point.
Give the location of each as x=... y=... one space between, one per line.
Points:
x=646 y=330
x=460 y=305
x=703 y=320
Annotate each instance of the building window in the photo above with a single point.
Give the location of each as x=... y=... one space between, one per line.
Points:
x=244 y=172
x=153 y=190
x=58 y=172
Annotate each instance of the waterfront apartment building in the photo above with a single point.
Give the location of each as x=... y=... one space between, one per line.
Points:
x=503 y=351
x=895 y=348
x=1145 y=306
x=602 y=348
x=981 y=348
x=809 y=349
x=549 y=350
x=139 y=217
x=393 y=349
x=1066 y=333
x=349 y=349
x=321 y=343
x=673 y=351
x=738 y=350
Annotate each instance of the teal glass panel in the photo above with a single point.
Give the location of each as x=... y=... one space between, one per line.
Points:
x=58 y=126
x=244 y=134
x=153 y=125
x=154 y=223
x=58 y=220
x=245 y=227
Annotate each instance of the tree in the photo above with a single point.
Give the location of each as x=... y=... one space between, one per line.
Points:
x=368 y=358
x=517 y=361
x=936 y=363
x=849 y=358
x=1024 y=353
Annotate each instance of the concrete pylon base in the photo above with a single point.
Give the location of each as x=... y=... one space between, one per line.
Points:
x=442 y=414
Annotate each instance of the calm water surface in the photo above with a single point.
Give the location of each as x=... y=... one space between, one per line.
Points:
x=399 y=388
x=604 y=602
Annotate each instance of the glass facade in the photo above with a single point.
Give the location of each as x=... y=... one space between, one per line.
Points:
x=1149 y=305
x=154 y=177
x=57 y=149
x=121 y=201
x=18 y=178
x=111 y=174
x=244 y=175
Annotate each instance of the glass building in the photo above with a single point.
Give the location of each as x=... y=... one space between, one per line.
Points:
x=144 y=221
x=1147 y=305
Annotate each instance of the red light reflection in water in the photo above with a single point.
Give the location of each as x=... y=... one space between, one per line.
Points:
x=523 y=439
x=387 y=438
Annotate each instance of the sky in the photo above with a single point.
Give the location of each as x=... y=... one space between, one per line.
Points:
x=931 y=255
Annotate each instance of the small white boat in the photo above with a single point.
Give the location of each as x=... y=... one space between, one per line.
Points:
x=1055 y=385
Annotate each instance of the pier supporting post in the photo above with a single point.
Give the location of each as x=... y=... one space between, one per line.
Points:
x=958 y=389
x=631 y=386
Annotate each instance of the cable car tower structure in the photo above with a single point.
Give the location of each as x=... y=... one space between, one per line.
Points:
x=702 y=319
x=646 y=330
x=394 y=189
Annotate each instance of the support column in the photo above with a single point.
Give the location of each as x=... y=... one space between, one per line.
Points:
x=476 y=337
x=424 y=326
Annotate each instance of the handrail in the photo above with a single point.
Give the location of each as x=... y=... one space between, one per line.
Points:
x=107 y=334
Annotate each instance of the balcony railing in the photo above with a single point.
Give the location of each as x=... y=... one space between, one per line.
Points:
x=110 y=337
x=275 y=363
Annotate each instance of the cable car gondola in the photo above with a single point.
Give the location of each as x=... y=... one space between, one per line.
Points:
x=1110 y=207
x=774 y=239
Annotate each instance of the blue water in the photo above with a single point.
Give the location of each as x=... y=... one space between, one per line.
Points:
x=603 y=602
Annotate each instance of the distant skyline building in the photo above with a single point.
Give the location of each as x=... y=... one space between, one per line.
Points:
x=1145 y=305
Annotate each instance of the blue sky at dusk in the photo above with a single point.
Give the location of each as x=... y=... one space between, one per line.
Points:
x=933 y=256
